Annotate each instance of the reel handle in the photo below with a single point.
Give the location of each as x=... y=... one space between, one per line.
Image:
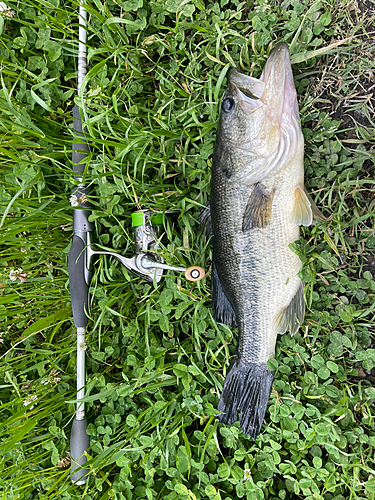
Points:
x=195 y=273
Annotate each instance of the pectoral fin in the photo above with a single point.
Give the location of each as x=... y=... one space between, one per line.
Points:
x=258 y=209
x=290 y=318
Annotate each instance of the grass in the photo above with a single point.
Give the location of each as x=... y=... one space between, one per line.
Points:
x=156 y=360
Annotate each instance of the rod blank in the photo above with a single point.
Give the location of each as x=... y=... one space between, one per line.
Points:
x=82 y=37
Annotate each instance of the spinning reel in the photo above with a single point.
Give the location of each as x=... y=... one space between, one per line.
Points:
x=146 y=263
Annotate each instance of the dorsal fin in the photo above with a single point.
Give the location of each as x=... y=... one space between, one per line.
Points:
x=206 y=221
x=222 y=309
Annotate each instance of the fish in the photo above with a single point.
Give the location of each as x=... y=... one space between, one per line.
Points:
x=257 y=204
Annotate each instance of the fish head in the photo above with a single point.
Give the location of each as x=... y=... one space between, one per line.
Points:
x=260 y=119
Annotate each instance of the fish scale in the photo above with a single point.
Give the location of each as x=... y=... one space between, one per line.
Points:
x=257 y=204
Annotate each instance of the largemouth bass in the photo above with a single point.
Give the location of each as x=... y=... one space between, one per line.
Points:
x=257 y=204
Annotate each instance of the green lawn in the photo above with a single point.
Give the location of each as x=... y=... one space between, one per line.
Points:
x=156 y=360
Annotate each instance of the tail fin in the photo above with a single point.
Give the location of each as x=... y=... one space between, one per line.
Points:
x=246 y=391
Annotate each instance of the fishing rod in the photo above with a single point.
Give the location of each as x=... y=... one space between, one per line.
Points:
x=79 y=275
x=146 y=263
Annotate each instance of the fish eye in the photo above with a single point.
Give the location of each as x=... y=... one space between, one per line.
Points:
x=227 y=104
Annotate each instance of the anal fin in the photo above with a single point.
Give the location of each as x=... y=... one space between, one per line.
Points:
x=290 y=318
x=221 y=307
x=258 y=209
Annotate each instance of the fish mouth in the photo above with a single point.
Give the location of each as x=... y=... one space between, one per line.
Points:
x=275 y=88
x=278 y=78
x=278 y=65
x=249 y=90
x=250 y=87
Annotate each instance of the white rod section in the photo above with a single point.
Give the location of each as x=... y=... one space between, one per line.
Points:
x=82 y=37
x=81 y=373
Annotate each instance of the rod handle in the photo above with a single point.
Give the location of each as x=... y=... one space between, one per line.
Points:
x=79 y=443
x=79 y=289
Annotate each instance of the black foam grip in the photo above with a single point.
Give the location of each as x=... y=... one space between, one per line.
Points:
x=80 y=147
x=79 y=290
x=79 y=443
